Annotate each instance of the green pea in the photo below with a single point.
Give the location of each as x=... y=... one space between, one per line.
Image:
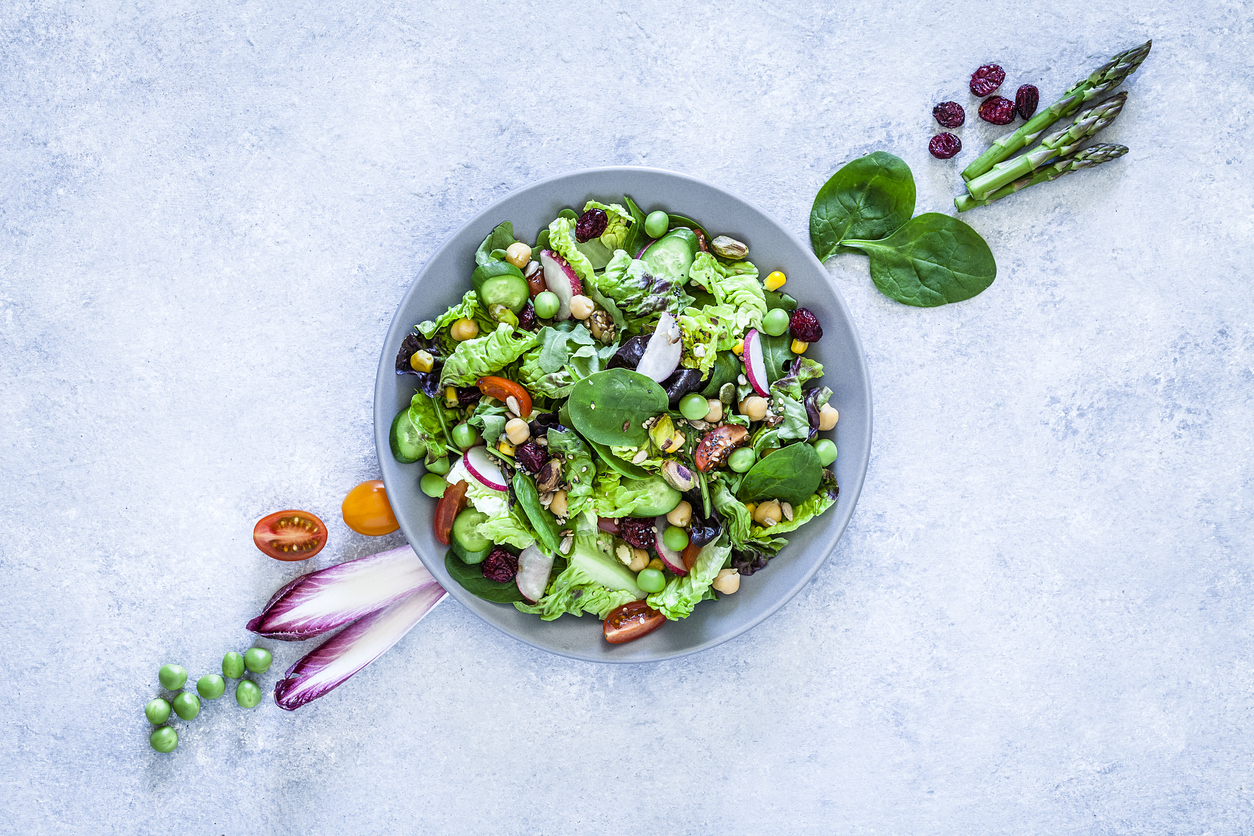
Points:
x=187 y=705
x=826 y=448
x=675 y=538
x=164 y=739
x=546 y=304
x=172 y=677
x=247 y=694
x=210 y=687
x=433 y=485
x=440 y=466
x=257 y=659
x=651 y=580
x=464 y=436
x=157 y=711
x=232 y=665
x=656 y=224
x=741 y=460
x=775 y=322
x=694 y=407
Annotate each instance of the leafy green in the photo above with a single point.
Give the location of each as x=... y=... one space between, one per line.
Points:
x=610 y=407
x=796 y=423
x=593 y=581
x=468 y=308
x=735 y=288
x=640 y=296
x=617 y=227
x=498 y=240
x=818 y=502
x=680 y=595
x=577 y=467
x=776 y=355
x=432 y=421
x=739 y=523
x=472 y=580
x=566 y=353
x=481 y=356
x=790 y=474
x=542 y=522
x=512 y=528
x=932 y=260
x=701 y=331
x=802 y=371
x=562 y=239
x=727 y=367
x=617 y=496
x=490 y=419
x=636 y=234
x=868 y=198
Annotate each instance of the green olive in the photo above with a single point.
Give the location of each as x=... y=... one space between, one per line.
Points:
x=650 y=580
x=232 y=665
x=247 y=694
x=826 y=448
x=433 y=485
x=157 y=711
x=546 y=304
x=741 y=460
x=464 y=436
x=187 y=705
x=694 y=406
x=257 y=659
x=656 y=224
x=172 y=677
x=440 y=466
x=211 y=686
x=164 y=739
x=775 y=322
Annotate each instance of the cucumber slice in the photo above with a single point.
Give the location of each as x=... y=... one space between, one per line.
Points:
x=510 y=291
x=468 y=557
x=672 y=254
x=405 y=440
x=470 y=545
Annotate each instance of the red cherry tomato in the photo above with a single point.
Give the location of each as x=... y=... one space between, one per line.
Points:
x=501 y=388
x=631 y=621
x=290 y=535
x=366 y=510
x=446 y=510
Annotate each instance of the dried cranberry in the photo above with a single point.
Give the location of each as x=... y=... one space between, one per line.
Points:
x=804 y=326
x=591 y=224
x=949 y=114
x=531 y=456
x=987 y=79
x=639 y=533
x=527 y=317
x=1026 y=100
x=944 y=146
x=997 y=110
x=499 y=565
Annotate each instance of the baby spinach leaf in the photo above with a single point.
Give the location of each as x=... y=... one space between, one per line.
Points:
x=499 y=239
x=609 y=407
x=776 y=354
x=932 y=260
x=542 y=521
x=635 y=235
x=790 y=474
x=866 y=199
x=472 y=580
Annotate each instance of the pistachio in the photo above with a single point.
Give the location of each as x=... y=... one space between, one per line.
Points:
x=677 y=476
x=549 y=477
x=729 y=248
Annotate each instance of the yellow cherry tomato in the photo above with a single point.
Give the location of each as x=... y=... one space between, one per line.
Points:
x=367 y=511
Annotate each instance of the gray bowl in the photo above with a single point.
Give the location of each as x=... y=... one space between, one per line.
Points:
x=446 y=277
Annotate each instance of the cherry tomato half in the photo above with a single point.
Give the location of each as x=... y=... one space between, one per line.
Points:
x=502 y=388
x=366 y=510
x=446 y=510
x=290 y=535
x=631 y=621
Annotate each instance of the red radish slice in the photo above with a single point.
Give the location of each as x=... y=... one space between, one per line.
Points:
x=486 y=471
x=534 y=568
x=666 y=346
x=673 y=559
x=561 y=279
x=755 y=366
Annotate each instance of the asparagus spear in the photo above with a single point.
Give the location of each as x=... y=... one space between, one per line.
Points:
x=1100 y=82
x=1058 y=144
x=1087 y=158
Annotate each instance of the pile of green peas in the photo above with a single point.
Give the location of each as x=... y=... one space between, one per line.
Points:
x=432 y=482
x=186 y=705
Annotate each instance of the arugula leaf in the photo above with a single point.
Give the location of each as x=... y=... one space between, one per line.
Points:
x=932 y=260
x=610 y=406
x=472 y=580
x=790 y=474
x=868 y=198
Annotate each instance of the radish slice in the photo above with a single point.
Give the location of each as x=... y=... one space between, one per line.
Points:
x=673 y=559
x=666 y=346
x=561 y=279
x=534 y=568
x=486 y=471
x=755 y=366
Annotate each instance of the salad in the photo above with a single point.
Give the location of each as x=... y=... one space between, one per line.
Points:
x=621 y=419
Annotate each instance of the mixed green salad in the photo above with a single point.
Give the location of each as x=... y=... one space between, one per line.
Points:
x=620 y=419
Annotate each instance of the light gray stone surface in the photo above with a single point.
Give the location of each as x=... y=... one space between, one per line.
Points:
x=1039 y=620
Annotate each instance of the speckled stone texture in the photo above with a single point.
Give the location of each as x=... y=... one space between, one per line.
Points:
x=1038 y=622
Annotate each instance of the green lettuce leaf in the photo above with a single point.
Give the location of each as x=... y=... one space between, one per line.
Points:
x=739 y=524
x=495 y=245
x=734 y=286
x=801 y=371
x=433 y=421
x=638 y=295
x=490 y=419
x=619 y=225
x=575 y=590
x=509 y=529
x=578 y=468
x=680 y=595
x=796 y=423
x=819 y=501
x=702 y=335
x=483 y=355
x=468 y=308
x=566 y=354
x=562 y=239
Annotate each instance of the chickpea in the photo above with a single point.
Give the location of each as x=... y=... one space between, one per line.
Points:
x=558 y=505
x=581 y=307
x=518 y=254
x=716 y=411
x=517 y=431
x=753 y=407
x=681 y=514
x=464 y=329
x=828 y=416
x=639 y=560
x=768 y=513
x=727 y=581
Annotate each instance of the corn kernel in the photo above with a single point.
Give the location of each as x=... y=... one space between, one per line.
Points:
x=775 y=281
x=656 y=564
x=450 y=397
x=751 y=507
x=798 y=347
x=505 y=447
x=738 y=349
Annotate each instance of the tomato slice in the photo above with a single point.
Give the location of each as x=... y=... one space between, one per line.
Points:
x=290 y=535
x=446 y=510
x=502 y=389
x=367 y=511
x=631 y=621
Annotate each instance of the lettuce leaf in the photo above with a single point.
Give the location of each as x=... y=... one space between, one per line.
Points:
x=575 y=590
x=432 y=420
x=740 y=527
x=615 y=234
x=735 y=288
x=819 y=501
x=469 y=308
x=511 y=529
x=796 y=423
x=566 y=354
x=483 y=355
x=490 y=419
x=562 y=239
x=577 y=468
x=680 y=595
x=639 y=296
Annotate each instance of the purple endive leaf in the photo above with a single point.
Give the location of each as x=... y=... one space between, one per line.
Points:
x=335 y=660
x=321 y=601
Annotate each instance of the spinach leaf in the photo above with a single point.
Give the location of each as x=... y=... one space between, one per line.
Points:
x=727 y=367
x=472 y=580
x=609 y=407
x=499 y=239
x=790 y=474
x=932 y=260
x=542 y=521
x=635 y=235
x=867 y=199
x=777 y=299
x=619 y=464
x=776 y=354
